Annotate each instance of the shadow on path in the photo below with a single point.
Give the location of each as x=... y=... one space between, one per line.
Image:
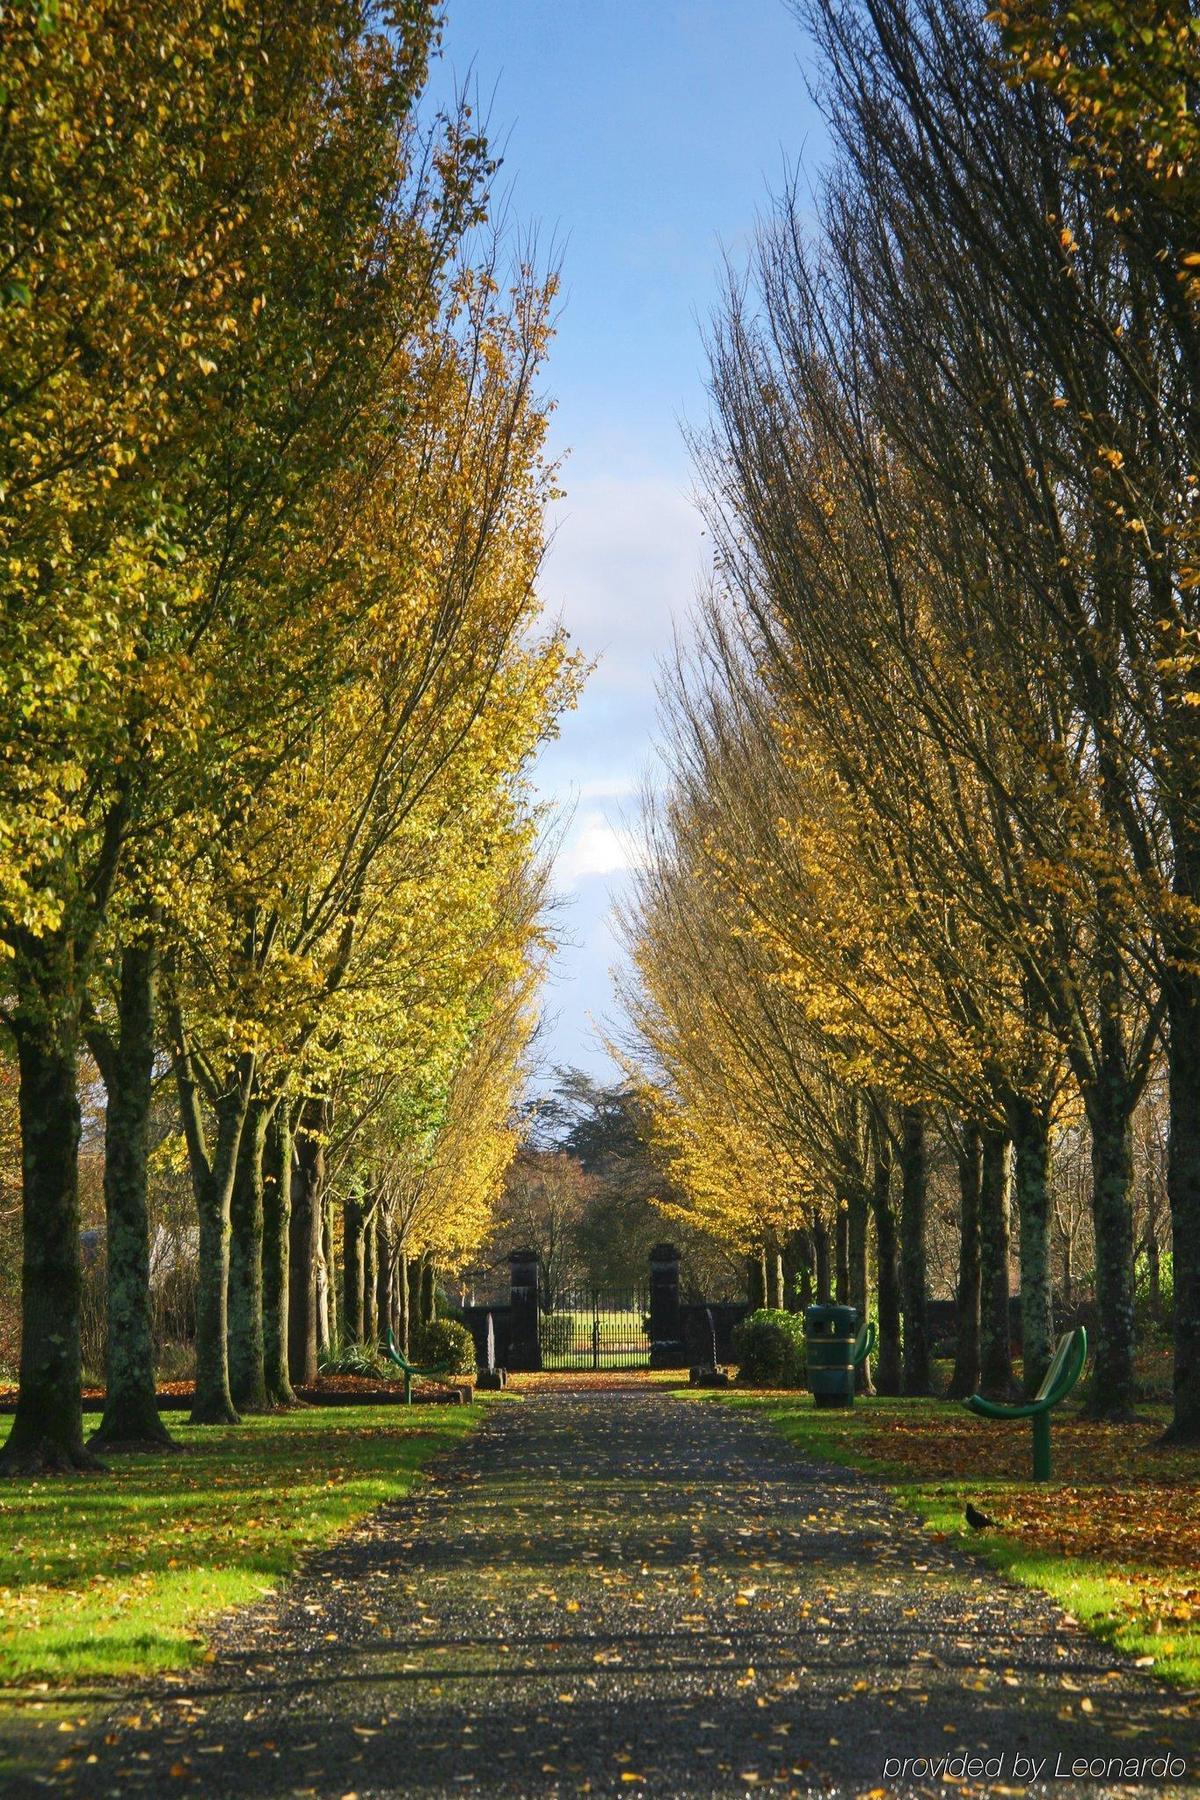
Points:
x=630 y=1594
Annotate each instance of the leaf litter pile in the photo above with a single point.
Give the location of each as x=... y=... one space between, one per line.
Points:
x=609 y=1593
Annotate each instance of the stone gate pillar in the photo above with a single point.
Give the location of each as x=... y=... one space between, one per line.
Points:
x=667 y=1348
x=525 y=1350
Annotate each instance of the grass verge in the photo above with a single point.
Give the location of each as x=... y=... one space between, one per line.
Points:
x=1113 y=1539
x=113 y=1575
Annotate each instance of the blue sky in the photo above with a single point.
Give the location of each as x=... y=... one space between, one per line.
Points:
x=642 y=138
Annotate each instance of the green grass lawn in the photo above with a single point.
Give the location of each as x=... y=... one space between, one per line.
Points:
x=1113 y=1538
x=112 y=1575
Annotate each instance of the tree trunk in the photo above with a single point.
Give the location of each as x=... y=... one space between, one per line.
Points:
x=1183 y=1194
x=414 y=1297
x=428 y=1288
x=756 y=1280
x=1153 y=1269
x=370 y=1327
x=774 y=1262
x=807 y=1260
x=857 y=1216
x=913 y=1246
x=131 y=1417
x=212 y=1184
x=47 y=1431
x=383 y=1281
x=276 y=1275
x=1111 y=1395
x=403 y=1327
x=965 y=1378
x=352 y=1271
x=842 y=1255
x=247 y=1379
x=820 y=1237
x=995 y=1347
x=794 y=1264
x=1030 y=1127
x=329 y=1321
x=308 y=1213
x=887 y=1275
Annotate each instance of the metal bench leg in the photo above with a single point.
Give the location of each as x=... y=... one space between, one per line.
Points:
x=1041 y=1446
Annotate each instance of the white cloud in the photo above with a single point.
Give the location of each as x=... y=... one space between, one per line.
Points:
x=593 y=848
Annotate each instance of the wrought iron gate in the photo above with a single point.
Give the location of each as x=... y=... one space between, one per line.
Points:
x=594 y=1328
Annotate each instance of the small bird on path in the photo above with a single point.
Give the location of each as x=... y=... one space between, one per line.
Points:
x=979 y=1521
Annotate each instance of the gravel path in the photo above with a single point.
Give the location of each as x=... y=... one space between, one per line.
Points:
x=619 y=1593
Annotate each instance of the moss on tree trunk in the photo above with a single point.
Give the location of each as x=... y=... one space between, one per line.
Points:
x=308 y=1217
x=131 y=1418
x=384 y=1321
x=1030 y=1127
x=212 y=1184
x=329 y=1258
x=352 y=1271
x=247 y=1381
x=277 y=1217
x=47 y=1431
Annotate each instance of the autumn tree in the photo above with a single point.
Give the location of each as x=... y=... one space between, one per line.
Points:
x=253 y=233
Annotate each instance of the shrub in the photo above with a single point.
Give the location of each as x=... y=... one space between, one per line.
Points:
x=353 y=1359
x=769 y=1347
x=444 y=1343
x=556 y=1333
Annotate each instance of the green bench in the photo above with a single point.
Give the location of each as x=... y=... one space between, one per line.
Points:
x=864 y=1343
x=1066 y=1366
x=411 y=1372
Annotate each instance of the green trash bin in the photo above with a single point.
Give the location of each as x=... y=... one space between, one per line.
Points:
x=829 y=1334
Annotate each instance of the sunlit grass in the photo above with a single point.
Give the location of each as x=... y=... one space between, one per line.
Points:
x=111 y=1575
x=1134 y=1504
